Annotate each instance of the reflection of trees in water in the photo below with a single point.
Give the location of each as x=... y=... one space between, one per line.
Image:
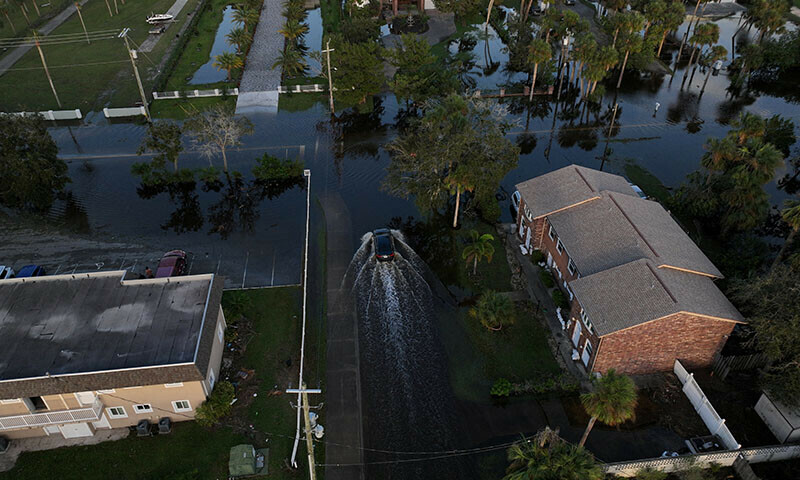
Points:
x=188 y=214
x=73 y=215
x=526 y=143
x=684 y=109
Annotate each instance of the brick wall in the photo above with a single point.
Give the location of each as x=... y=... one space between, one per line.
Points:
x=560 y=260
x=654 y=346
x=586 y=335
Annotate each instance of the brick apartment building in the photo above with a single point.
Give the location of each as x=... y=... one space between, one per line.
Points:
x=94 y=351
x=642 y=293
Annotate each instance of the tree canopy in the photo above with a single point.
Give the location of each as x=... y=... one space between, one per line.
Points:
x=31 y=174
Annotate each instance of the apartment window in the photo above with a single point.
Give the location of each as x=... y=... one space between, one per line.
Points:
x=173 y=385
x=181 y=406
x=551 y=233
x=586 y=320
x=35 y=404
x=10 y=400
x=117 y=412
x=560 y=246
x=220 y=332
x=143 y=408
x=587 y=348
x=571 y=267
x=211 y=380
x=110 y=390
x=528 y=213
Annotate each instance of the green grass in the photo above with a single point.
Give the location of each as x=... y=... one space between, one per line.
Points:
x=110 y=81
x=477 y=357
x=194 y=452
x=648 y=182
x=19 y=23
x=198 y=50
x=177 y=109
x=494 y=275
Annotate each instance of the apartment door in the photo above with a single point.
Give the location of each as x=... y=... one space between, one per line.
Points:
x=76 y=430
x=549 y=259
x=576 y=334
x=528 y=240
x=587 y=353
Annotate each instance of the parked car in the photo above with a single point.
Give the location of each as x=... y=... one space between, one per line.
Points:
x=515 y=197
x=31 y=271
x=569 y=3
x=383 y=241
x=638 y=190
x=6 y=272
x=172 y=264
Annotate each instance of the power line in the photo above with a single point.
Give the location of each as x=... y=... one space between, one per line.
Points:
x=48 y=40
x=67 y=66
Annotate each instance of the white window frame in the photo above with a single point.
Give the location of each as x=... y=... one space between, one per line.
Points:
x=211 y=379
x=551 y=233
x=173 y=385
x=111 y=414
x=559 y=247
x=178 y=409
x=586 y=322
x=220 y=333
x=571 y=266
x=145 y=408
x=528 y=213
x=10 y=400
x=110 y=390
x=587 y=345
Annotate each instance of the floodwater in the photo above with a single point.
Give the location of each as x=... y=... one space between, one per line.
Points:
x=261 y=238
x=207 y=73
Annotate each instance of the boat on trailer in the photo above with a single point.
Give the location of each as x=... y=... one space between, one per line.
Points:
x=156 y=18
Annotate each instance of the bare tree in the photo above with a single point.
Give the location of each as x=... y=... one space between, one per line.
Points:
x=215 y=130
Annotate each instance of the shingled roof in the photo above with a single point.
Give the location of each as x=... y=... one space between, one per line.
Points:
x=639 y=291
x=567 y=187
x=122 y=332
x=616 y=229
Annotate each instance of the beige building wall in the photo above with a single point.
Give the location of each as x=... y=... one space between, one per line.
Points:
x=217 y=348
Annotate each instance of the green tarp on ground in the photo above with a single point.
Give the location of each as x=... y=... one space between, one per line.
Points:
x=246 y=460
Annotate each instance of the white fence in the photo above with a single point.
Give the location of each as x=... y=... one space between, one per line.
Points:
x=315 y=88
x=54 y=114
x=123 y=112
x=673 y=464
x=175 y=94
x=702 y=405
x=52 y=418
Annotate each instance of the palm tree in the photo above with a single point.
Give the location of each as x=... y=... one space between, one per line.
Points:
x=539 y=51
x=228 y=61
x=245 y=16
x=493 y=310
x=632 y=43
x=672 y=19
x=291 y=61
x=458 y=185
x=293 y=30
x=612 y=401
x=768 y=16
x=239 y=38
x=480 y=247
x=717 y=52
x=791 y=215
x=704 y=34
x=546 y=456
x=4 y=10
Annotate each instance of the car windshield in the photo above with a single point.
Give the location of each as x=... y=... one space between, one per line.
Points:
x=383 y=245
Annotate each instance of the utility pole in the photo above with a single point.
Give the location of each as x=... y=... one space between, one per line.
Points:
x=303 y=391
x=328 y=51
x=132 y=54
x=46 y=71
x=78 y=9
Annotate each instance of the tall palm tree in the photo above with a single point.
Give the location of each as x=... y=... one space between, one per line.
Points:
x=612 y=401
x=791 y=215
x=293 y=30
x=239 y=38
x=539 y=51
x=245 y=16
x=457 y=187
x=704 y=34
x=717 y=52
x=480 y=247
x=291 y=61
x=228 y=61
x=548 y=457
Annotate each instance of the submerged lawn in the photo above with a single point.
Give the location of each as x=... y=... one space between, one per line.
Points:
x=194 y=452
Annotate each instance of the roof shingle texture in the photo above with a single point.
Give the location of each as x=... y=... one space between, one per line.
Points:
x=639 y=291
x=568 y=186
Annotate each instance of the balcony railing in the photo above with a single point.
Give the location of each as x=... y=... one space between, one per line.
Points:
x=58 y=417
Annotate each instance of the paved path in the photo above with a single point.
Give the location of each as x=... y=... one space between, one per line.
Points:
x=152 y=40
x=258 y=90
x=343 y=417
x=35 y=444
x=9 y=60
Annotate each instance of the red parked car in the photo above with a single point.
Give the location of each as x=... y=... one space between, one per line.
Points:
x=173 y=263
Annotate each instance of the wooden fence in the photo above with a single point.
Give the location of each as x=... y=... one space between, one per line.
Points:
x=723 y=365
x=773 y=453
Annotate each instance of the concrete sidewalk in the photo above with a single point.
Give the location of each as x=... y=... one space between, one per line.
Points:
x=258 y=90
x=152 y=40
x=9 y=60
x=343 y=416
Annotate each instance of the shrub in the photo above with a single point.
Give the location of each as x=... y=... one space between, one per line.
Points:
x=493 y=310
x=501 y=388
x=273 y=169
x=560 y=299
x=546 y=384
x=547 y=279
x=217 y=406
x=234 y=304
x=650 y=474
x=537 y=256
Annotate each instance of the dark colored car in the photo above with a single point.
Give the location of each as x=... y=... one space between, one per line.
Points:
x=383 y=241
x=31 y=271
x=173 y=263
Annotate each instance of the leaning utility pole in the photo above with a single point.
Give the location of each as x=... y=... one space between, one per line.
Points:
x=78 y=9
x=132 y=54
x=46 y=71
x=312 y=469
x=328 y=51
